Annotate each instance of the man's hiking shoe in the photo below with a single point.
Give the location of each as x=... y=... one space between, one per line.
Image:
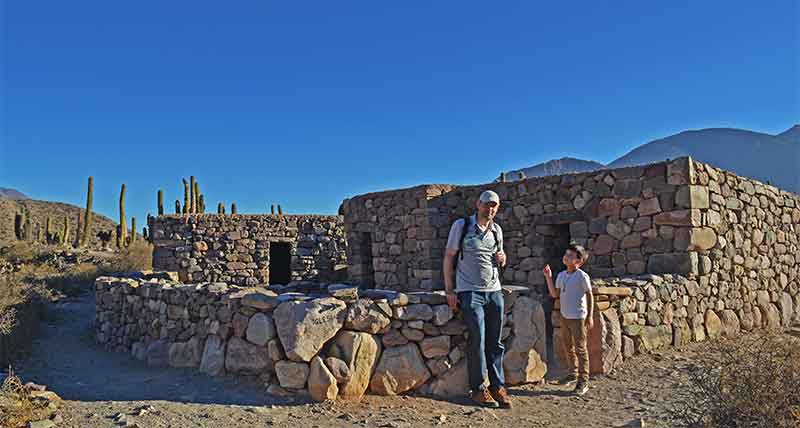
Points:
x=500 y=395
x=568 y=379
x=581 y=388
x=484 y=399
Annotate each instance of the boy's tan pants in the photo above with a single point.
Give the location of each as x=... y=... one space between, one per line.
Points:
x=573 y=335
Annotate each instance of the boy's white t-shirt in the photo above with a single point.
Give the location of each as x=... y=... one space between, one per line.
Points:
x=573 y=287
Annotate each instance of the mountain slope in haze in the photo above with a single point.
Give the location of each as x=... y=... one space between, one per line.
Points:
x=40 y=210
x=564 y=165
x=9 y=193
x=764 y=157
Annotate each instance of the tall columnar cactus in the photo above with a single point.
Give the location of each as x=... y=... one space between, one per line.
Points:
x=177 y=206
x=19 y=225
x=202 y=204
x=28 y=229
x=233 y=208
x=145 y=235
x=503 y=177
x=196 y=197
x=87 y=222
x=123 y=228
x=47 y=232
x=133 y=230
x=38 y=233
x=272 y=209
x=65 y=231
x=185 y=196
x=160 y=202
x=221 y=208
x=280 y=210
x=191 y=195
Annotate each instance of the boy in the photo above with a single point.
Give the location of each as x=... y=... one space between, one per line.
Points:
x=574 y=288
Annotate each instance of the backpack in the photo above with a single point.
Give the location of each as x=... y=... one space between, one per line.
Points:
x=464 y=230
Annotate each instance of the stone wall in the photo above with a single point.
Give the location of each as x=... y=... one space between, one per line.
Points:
x=650 y=312
x=680 y=217
x=330 y=341
x=236 y=248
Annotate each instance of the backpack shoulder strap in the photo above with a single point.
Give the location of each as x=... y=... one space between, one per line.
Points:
x=464 y=230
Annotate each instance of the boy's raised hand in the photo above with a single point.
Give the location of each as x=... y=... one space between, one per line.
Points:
x=547 y=271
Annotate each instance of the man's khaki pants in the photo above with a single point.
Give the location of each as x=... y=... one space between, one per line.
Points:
x=573 y=335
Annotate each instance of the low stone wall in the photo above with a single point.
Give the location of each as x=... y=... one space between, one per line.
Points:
x=329 y=341
x=645 y=313
x=236 y=248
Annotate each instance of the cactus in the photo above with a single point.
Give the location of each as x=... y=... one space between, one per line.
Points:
x=38 y=233
x=233 y=208
x=196 y=200
x=177 y=206
x=272 y=209
x=202 y=204
x=192 y=201
x=280 y=210
x=87 y=222
x=145 y=236
x=28 y=235
x=123 y=228
x=221 y=208
x=133 y=230
x=185 y=196
x=47 y=232
x=503 y=177
x=19 y=225
x=160 y=202
x=65 y=232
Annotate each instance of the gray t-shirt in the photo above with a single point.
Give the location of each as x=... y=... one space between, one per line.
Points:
x=572 y=296
x=477 y=270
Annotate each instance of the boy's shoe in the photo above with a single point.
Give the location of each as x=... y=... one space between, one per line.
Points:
x=484 y=399
x=581 y=388
x=568 y=379
x=500 y=395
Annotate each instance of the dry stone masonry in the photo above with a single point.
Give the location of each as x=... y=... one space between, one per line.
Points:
x=329 y=342
x=242 y=249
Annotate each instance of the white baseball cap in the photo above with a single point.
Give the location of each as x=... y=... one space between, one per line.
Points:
x=489 y=196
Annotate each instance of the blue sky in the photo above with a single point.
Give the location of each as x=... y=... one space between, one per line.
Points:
x=306 y=103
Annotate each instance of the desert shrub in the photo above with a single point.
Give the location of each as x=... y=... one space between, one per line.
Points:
x=135 y=257
x=74 y=279
x=19 y=252
x=17 y=407
x=753 y=381
x=16 y=290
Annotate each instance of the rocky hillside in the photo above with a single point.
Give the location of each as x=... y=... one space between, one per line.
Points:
x=40 y=210
x=765 y=157
x=8 y=193
x=564 y=165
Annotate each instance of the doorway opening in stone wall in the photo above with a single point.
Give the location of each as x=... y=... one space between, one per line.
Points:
x=556 y=241
x=364 y=260
x=280 y=262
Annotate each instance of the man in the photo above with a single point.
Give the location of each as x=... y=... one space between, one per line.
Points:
x=475 y=250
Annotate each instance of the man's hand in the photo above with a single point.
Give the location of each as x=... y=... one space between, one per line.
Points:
x=589 y=323
x=452 y=300
x=548 y=273
x=501 y=258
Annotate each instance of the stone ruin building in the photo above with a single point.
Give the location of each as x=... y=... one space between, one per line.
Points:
x=339 y=306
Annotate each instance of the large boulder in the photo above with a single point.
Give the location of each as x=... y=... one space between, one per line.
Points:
x=186 y=354
x=213 y=359
x=523 y=361
x=605 y=342
x=292 y=374
x=366 y=316
x=360 y=352
x=304 y=327
x=730 y=324
x=787 y=309
x=400 y=369
x=321 y=382
x=338 y=369
x=246 y=358
x=713 y=325
x=260 y=329
x=452 y=384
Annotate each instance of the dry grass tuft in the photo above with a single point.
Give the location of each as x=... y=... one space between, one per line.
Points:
x=17 y=406
x=751 y=382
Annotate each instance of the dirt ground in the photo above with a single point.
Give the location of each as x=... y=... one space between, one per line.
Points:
x=105 y=389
